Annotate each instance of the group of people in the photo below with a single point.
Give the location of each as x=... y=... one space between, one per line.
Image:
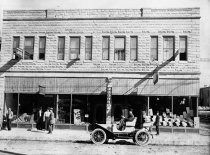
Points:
x=45 y=120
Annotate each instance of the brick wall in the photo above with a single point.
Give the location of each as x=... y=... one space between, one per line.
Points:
x=98 y=23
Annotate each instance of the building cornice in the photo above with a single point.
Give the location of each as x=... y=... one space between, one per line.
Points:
x=110 y=18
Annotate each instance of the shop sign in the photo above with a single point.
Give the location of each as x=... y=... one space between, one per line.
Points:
x=42 y=90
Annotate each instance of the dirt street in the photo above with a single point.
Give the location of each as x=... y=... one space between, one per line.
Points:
x=87 y=148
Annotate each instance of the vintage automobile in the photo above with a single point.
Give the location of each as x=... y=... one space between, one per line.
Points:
x=101 y=133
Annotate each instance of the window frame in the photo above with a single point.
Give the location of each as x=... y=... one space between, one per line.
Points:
x=121 y=50
x=106 y=49
x=42 y=49
x=61 y=49
x=32 y=47
x=136 y=48
x=186 y=47
x=156 y=49
x=71 y=49
x=169 y=58
x=14 y=50
x=89 y=49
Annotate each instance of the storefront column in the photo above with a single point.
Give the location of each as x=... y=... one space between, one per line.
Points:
x=57 y=100
x=18 y=107
x=172 y=105
x=71 y=108
x=109 y=118
x=197 y=101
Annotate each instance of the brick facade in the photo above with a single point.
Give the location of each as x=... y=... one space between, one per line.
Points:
x=97 y=23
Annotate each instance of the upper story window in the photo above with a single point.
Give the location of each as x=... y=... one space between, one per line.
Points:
x=154 y=48
x=88 y=48
x=183 y=48
x=16 y=44
x=105 y=48
x=133 y=48
x=42 y=47
x=29 y=48
x=119 y=51
x=168 y=47
x=74 y=48
x=61 y=48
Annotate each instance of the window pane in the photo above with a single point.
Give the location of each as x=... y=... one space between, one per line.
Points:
x=183 y=48
x=88 y=54
x=29 y=48
x=74 y=42
x=74 y=48
x=153 y=54
x=61 y=42
x=105 y=54
x=105 y=43
x=16 y=42
x=42 y=41
x=133 y=54
x=119 y=43
x=154 y=42
x=133 y=42
x=119 y=55
x=105 y=48
x=61 y=47
x=88 y=48
x=168 y=47
x=154 y=48
x=88 y=42
x=29 y=42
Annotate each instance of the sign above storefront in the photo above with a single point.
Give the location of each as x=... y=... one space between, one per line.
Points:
x=42 y=90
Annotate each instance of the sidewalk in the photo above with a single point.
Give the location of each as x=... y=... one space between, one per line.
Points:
x=66 y=135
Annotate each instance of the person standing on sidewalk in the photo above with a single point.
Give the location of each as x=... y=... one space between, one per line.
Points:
x=157 y=122
x=46 y=118
x=39 y=124
x=9 y=117
x=51 y=121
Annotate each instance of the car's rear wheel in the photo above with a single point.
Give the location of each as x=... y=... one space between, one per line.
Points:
x=141 y=138
x=98 y=136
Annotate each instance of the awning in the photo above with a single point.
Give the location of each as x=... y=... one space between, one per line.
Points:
x=120 y=86
x=164 y=87
x=55 y=85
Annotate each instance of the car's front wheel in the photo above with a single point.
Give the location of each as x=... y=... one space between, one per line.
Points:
x=141 y=138
x=98 y=136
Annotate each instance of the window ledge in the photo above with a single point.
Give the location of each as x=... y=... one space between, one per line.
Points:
x=87 y=61
x=183 y=61
x=119 y=61
x=105 y=61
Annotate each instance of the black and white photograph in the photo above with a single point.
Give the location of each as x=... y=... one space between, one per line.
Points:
x=105 y=77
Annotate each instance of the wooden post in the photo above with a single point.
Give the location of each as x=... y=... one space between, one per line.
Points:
x=71 y=107
x=172 y=105
x=18 y=107
x=148 y=105
x=109 y=118
x=57 y=100
x=197 y=106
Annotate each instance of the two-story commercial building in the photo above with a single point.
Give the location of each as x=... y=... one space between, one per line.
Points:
x=91 y=65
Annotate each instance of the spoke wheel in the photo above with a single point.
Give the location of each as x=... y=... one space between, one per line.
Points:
x=98 y=136
x=142 y=138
